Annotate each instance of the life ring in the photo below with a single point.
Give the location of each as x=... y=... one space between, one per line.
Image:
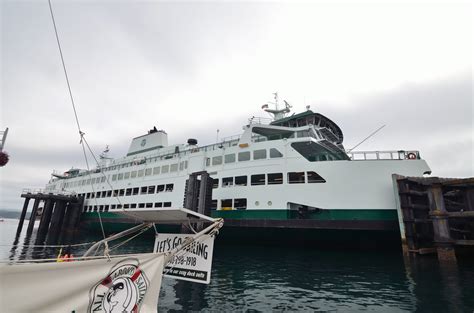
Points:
x=411 y=156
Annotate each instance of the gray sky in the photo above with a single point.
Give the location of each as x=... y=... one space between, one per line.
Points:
x=191 y=68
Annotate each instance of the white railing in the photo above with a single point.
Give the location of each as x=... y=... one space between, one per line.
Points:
x=260 y=120
x=47 y=192
x=383 y=155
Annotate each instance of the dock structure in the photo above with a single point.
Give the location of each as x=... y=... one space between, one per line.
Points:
x=436 y=215
x=59 y=219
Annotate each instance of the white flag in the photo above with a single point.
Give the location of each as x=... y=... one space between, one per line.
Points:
x=123 y=284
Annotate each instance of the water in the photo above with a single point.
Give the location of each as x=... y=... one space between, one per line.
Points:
x=281 y=278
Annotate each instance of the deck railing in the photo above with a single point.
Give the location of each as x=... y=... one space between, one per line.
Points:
x=383 y=155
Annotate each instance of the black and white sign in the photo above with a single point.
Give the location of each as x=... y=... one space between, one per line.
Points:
x=193 y=264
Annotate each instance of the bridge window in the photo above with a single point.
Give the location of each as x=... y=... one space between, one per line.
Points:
x=148 y=171
x=229 y=158
x=296 y=177
x=241 y=180
x=120 y=176
x=244 y=156
x=258 y=179
x=217 y=160
x=156 y=170
x=165 y=169
x=126 y=175
x=240 y=204
x=314 y=177
x=260 y=154
x=227 y=181
x=140 y=173
x=275 y=178
x=114 y=178
x=133 y=174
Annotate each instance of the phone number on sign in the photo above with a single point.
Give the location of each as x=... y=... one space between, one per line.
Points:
x=183 y=260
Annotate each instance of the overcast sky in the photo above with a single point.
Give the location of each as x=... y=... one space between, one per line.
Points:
x=191 y=68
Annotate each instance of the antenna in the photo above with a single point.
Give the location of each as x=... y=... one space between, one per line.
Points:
x=373 y=133
x=217 y=136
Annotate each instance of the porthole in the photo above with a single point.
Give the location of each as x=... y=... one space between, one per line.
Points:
x=269 y=203
x=257 y=203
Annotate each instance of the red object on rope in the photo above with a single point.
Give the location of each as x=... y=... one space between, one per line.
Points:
x=4 y=158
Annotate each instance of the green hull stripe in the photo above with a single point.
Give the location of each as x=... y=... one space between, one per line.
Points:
x=323 y=215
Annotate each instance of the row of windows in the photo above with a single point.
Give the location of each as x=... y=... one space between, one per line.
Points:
x=270 y=179
x=168 y=168
x=145 y=190
x=105 y=208
x=260 y=154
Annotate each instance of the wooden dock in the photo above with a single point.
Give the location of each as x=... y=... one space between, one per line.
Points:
x=436 y=215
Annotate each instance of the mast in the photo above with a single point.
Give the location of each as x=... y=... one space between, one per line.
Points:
x=277 y=113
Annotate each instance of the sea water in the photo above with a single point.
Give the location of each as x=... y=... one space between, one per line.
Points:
x=286 y=278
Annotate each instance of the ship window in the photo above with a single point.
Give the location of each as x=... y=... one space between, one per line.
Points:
x=227 y=181
x=169 y=187
x=215 y=183
x=133 y=205
x=97 y=195
x=114 y=178
x=274 y=153
x=151 y=189
x=258 y=179
x=113 y=206
x=119 y=206
x=156 y=170
x=141 y=205
x=126 y=175
x=226 y=204
x=314 y=177
x=244 y=156
x=185 y=164
x=275 y=178
x=174 y=167
x=95 y=208
x=165 y=169
x=140 y=173
x=241 y=180
x=149 y=205
x=214 y=205
x=302 y=133
x=120 y=176
x=144 y=190
x=102 y=179
x=160 y=188
x=229 y=158
x=89 y=181
x=133 y=174
x=158 y=204
x=126 y=206
x=217 y=160
x=240 y=204
x=208 y=161
x=88 y=195
x=101 y=208
x=181 y=166
x=167 y=204
x=260 y=154
x=296 y=177
x=121 y=192
x=109 y=193
x=135 y=191
x=148 y=171
x=128 y=192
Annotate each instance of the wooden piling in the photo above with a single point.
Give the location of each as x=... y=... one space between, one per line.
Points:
x=45 y=220
x=56 y=222
x=31 y=223
x=22 y=217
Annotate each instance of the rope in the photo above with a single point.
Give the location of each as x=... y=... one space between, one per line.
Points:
x=51 y=246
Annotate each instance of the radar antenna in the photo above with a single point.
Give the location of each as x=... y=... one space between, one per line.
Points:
x=277 y=113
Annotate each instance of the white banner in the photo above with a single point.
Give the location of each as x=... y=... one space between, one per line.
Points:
x=193 y=263
x=122 y=284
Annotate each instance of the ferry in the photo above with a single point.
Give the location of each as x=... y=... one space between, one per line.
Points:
x=286 y=175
